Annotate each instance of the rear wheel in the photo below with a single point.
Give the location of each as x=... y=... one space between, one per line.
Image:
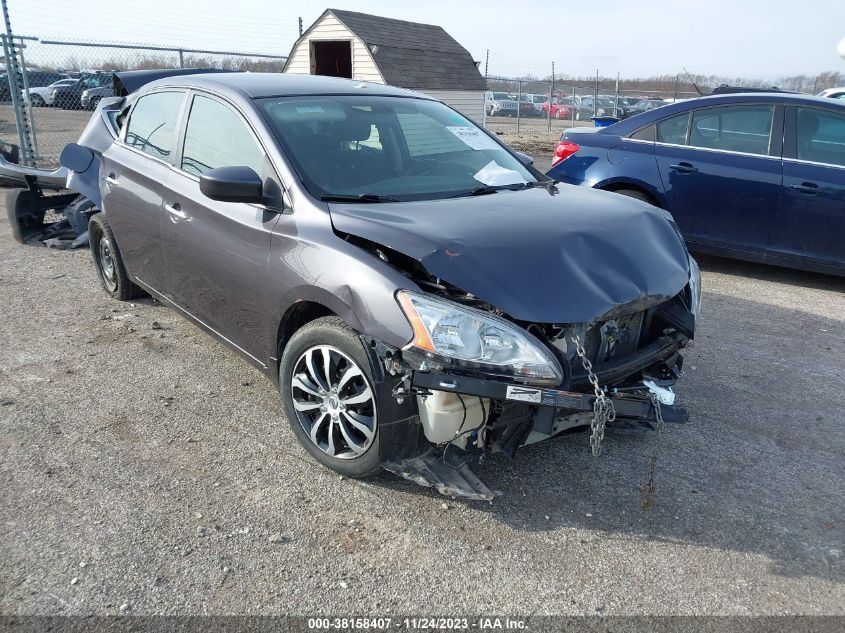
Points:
x=37 y=101
x=327 y=389
x=108 y=262
x=636 y=193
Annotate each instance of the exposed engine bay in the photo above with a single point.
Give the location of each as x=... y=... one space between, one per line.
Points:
x=634 y=354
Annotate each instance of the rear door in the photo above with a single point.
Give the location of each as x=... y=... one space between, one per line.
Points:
x=810 y=223
x=721 y=171
x=216 y=253
x=132 y=172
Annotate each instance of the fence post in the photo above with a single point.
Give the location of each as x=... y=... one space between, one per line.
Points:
x=518 y=102
x=574 y=105
x=181 y=58
x=616 y=100
x=551 y=95
x=24 y=129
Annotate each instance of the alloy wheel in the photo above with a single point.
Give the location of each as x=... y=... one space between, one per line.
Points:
x=334 y=402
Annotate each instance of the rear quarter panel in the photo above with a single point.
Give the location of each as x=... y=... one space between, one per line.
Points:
x=609 y=161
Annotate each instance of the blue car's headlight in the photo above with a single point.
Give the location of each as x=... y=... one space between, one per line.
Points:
x=695 y=287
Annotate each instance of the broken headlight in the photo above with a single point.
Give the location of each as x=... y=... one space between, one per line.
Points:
x=477 y=339
x=694 y=287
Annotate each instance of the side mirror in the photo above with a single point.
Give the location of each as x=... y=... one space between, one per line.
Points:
x=232 y=184
x=76 y=158
x=525 y=159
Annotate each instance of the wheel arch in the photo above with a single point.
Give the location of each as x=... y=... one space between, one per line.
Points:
x=618 y=184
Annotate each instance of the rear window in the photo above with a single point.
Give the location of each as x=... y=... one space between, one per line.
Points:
x=152 y=125
x=744 y=128
x=673 y=130
x=821 y=136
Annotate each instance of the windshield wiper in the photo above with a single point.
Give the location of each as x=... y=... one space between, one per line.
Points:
x=487 y=189
x=361 y=197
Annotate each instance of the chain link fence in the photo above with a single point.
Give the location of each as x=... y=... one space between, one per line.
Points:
x=49 y=87
x=529 y=105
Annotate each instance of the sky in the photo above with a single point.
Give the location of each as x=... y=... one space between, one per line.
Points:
x=762 y=39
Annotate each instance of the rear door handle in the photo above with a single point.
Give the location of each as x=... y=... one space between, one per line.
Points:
x=176 y=213
x=111 y=180
x=810 y=188
x=684 y=168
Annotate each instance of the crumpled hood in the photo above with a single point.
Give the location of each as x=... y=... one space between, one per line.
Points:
x=570 y=257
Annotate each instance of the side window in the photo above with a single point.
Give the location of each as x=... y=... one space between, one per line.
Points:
x=673 y=130
x=646 y=134
x=218 y=137
x=152 y=126
x=744 y=128
x=821 y=136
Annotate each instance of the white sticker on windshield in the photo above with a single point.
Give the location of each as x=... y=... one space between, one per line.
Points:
x=474 y=137
x=309 y=109
x=494 y=174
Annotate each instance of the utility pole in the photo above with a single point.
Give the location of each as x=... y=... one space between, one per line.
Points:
x=486 y=63
x=300 y=26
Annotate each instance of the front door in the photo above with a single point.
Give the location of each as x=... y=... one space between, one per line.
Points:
x=810 y=223
x=132 y=172
x=217 y=253
x=721 y=170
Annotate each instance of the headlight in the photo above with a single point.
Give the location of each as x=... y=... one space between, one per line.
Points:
x=695 y=287
x=477 y=340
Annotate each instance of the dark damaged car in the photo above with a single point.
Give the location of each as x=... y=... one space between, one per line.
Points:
x=418 y=292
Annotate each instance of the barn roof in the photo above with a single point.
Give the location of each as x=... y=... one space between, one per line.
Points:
x=414 y=55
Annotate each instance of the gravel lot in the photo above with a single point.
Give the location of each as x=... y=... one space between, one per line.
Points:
x=151 y=471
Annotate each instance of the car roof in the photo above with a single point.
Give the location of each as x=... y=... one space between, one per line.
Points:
x=635 y=122
x=259 y=85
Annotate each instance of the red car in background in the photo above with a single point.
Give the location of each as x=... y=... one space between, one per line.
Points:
x=561 y=108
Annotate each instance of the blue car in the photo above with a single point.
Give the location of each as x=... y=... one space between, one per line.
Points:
x=759 y=177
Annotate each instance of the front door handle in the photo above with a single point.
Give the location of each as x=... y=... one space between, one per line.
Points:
x=112 y=180
x=176 y=213
x=810 y=188
x=684 y=168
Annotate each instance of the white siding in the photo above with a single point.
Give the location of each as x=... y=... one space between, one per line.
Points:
x=330 y=28
x=470 y=103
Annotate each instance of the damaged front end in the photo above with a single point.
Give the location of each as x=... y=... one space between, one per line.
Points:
x=485 y=382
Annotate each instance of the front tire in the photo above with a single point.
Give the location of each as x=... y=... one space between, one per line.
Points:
x=108 y=262
x=36 y=101
x=329 y=397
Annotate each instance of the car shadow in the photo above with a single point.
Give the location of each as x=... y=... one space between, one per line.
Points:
x=757 y=470
x=768 y=272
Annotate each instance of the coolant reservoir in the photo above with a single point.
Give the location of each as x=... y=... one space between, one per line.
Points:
x=443 y=415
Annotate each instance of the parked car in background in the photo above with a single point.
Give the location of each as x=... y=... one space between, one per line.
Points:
x=91 y=97
x=646 y=105
x=69 y=97
x=833 y=93
x=559 y=108
x=500 y=104
x=34 y=79
x=526 y=106
x=43 y=95
x=753 y=176
x=589 y=107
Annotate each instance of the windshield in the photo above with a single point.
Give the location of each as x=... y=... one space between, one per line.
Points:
x=501 y=96
x=389 y=147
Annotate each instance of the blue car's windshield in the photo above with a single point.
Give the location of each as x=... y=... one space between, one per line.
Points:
x=389 y=147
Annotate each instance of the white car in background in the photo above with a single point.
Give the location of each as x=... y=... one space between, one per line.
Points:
x=833 y=93
x=43 y=95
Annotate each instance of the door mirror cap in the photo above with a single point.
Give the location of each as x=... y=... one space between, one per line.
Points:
x=76 y=158
x=232 y=184
x=525 y=159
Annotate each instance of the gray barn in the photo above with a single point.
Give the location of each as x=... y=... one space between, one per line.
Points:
x=420 y=57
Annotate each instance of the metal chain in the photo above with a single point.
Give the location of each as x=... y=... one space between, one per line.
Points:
x=647 y=500
x=603 y=411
